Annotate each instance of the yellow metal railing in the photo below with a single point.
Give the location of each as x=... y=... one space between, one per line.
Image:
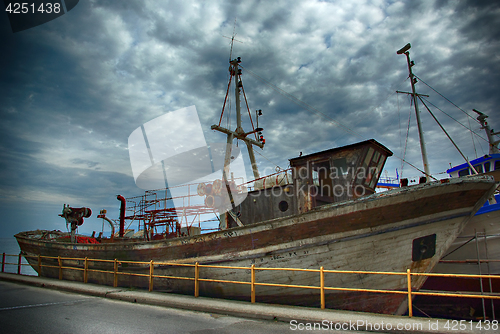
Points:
x=322 y=288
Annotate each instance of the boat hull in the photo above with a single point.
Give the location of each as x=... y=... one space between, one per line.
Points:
x=480 y=240
x=374 y=233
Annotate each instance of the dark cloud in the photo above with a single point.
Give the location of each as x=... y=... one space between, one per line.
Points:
x=481 y=18
x=75 y=88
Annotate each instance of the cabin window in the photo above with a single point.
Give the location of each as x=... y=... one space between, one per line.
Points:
x=487 y=167
x=315 y=178
x=374 y=169
x=376 y=156
x=339 y=168
x=463 y=172
x=368 y=157
x=362 y=172
x=371 y=167
x=379 y=169
x=497 y=164
x=478 y=168
x=321 y=179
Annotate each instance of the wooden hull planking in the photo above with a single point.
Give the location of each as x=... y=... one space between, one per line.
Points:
x=374 y=233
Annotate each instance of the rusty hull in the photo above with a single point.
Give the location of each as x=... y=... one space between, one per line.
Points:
x=373 y=233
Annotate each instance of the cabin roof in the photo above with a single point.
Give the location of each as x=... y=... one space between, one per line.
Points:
x=482 y=159
x=342 y=148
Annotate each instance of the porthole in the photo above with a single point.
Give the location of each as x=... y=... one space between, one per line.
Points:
x=283 y=206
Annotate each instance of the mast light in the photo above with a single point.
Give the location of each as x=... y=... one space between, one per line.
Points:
x=404 y=49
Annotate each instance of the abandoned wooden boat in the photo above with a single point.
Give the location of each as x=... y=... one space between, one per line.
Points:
x=326 y=213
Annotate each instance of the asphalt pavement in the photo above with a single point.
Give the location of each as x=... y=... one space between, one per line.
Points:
x=298 y=318
x=30 y=309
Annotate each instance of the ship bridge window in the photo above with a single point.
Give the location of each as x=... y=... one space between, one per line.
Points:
x=463 y=172
x=378 y=170
x=362 y=172
x=315 y=178
x=339 y=168
x=374 y=169
x=497 y=164
x=370 y=170
x=321 y=178
x=487 y=167
x=478 y=168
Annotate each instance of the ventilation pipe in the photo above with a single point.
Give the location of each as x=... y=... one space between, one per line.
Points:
x=122 y=214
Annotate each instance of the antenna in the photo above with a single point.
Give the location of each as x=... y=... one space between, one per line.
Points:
x=489 y=132
x=232 y=38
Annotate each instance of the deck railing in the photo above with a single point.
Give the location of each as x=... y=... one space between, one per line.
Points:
x=196 y=277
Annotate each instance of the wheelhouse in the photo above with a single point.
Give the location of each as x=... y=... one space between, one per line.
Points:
x=488 y=164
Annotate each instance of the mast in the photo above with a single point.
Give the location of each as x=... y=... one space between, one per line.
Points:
x=413 y=81
x=489 y=132
x=239 y=133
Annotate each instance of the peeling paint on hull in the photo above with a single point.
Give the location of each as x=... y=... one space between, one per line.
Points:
x=373 y=233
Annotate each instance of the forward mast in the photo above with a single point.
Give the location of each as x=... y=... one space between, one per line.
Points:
x=239 y=132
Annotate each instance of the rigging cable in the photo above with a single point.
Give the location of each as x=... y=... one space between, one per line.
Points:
x=267 y=159
x=447 y=135
x=399 y=121
x=468 y=119
x=472 y=138
x=314 y=110
x=303 y=104
x=444 y=97
x=406 y=141
x=455 y=120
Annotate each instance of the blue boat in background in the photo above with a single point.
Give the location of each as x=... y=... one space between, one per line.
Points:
x=475 y=251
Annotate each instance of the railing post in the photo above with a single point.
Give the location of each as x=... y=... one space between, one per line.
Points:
x=115 y=275
x=39 y=265
x=59 y=261
x=408 y=278
x=19 y=259
x=196 y=277
x=322 y=286
x=252 y=283
x=85 y=270
x=3 y=262
x=151 y=268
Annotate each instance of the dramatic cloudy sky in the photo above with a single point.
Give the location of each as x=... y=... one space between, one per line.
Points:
x=74 y=89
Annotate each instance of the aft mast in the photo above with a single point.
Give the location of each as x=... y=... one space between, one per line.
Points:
x=414 y=94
